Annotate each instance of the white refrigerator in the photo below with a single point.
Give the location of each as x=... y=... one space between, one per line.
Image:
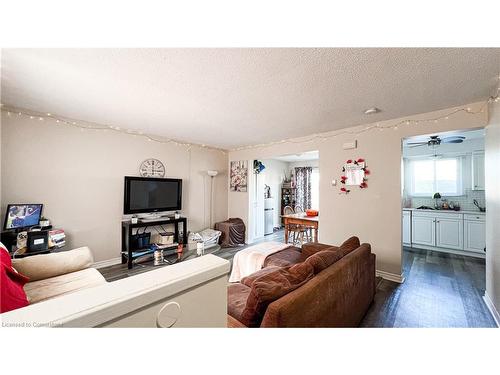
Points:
x=268 y=215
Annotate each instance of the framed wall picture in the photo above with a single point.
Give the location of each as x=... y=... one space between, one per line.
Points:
x=239 y=175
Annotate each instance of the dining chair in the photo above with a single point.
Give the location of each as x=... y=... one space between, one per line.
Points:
x=296 y=232
x=307 y=230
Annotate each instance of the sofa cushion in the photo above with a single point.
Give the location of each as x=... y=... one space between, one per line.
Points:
x=248 y=280
x=323 y=259
x=270 y=287
x=63 y=284
x=349 y=245
x=284 y=258
x=39 y=267
x=237 y=295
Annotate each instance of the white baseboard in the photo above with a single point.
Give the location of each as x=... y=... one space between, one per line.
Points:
x=492 y=308
x=391 y=276
x=107 y=263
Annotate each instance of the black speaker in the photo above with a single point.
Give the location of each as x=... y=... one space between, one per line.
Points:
x=9 y=239
x=38 y=240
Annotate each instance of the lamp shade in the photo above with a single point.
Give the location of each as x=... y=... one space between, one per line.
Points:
x=212 y=173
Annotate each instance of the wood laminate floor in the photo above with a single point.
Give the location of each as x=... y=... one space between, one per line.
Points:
x=441 y=290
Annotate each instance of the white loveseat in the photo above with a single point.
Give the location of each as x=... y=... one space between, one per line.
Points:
x=57 y=274
x=67 y=292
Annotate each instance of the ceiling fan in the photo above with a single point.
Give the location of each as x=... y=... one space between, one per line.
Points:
x=434 y=140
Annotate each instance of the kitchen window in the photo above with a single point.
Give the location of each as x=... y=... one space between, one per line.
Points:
x=429 y=176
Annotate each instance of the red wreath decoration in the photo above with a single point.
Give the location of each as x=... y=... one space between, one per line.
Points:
x=343 y=178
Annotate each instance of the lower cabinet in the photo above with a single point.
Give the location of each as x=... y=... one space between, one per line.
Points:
x=450 y=233
x=423 y=230
x=442 y=230
x=475 y=236
x=407 y=228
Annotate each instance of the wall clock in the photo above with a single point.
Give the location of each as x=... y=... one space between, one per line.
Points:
x=152 y=168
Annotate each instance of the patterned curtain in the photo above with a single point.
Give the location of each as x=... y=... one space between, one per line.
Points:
x=303 y=184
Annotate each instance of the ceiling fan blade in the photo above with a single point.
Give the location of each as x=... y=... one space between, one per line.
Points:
x=457 y=139
x=417 y=143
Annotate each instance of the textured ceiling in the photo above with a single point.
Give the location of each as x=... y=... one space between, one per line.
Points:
x=235 y=97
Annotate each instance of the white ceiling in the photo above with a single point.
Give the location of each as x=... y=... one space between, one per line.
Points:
x=305 y=156
x=235 y=97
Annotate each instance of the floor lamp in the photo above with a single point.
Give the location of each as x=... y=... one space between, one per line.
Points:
x=212 y=175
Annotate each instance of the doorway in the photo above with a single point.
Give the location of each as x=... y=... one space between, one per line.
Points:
x=278 y=182
x=443 y=229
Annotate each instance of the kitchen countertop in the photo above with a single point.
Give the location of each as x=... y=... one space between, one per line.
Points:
x=446 y=211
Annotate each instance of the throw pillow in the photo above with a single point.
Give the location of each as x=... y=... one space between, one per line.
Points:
x=323 y=259
x=310 y=248
x=248 y=280
x=272 y=286
x=349 y=245
x=12 y=295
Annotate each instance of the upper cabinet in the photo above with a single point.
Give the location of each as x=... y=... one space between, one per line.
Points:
x=478 y=170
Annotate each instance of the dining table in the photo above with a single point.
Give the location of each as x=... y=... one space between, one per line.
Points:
x=301 y=219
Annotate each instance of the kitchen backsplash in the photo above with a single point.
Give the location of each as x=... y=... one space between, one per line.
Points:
x=465 y=201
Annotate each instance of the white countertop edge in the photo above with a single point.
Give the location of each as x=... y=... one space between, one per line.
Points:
x=446 y=211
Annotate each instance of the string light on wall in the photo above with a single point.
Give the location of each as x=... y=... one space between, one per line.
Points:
x=83 y=126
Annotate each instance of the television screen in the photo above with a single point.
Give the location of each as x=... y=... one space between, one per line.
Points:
x=144 y=194
x=22 y=215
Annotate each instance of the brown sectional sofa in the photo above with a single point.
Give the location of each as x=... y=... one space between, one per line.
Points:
x=317 y=286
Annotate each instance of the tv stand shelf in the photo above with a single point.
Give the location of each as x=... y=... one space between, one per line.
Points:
x=127 y=232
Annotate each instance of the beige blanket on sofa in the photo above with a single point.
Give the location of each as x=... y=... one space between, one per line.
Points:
x=251 y=259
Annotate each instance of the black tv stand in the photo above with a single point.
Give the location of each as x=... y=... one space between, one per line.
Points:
x=127 y=229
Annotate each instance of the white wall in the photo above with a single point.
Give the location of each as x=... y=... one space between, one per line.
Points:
x=492 y=155
x=373 y=214
x=78 y=176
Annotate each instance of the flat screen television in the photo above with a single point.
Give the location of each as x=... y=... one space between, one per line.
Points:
x=22 y=215
x=150 y=194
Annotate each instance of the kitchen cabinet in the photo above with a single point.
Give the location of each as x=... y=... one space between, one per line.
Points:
x=407 y=228
x=423 y=229
x=444 y=231
x=474 y=233
x=478 y=170
x=449 y=232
